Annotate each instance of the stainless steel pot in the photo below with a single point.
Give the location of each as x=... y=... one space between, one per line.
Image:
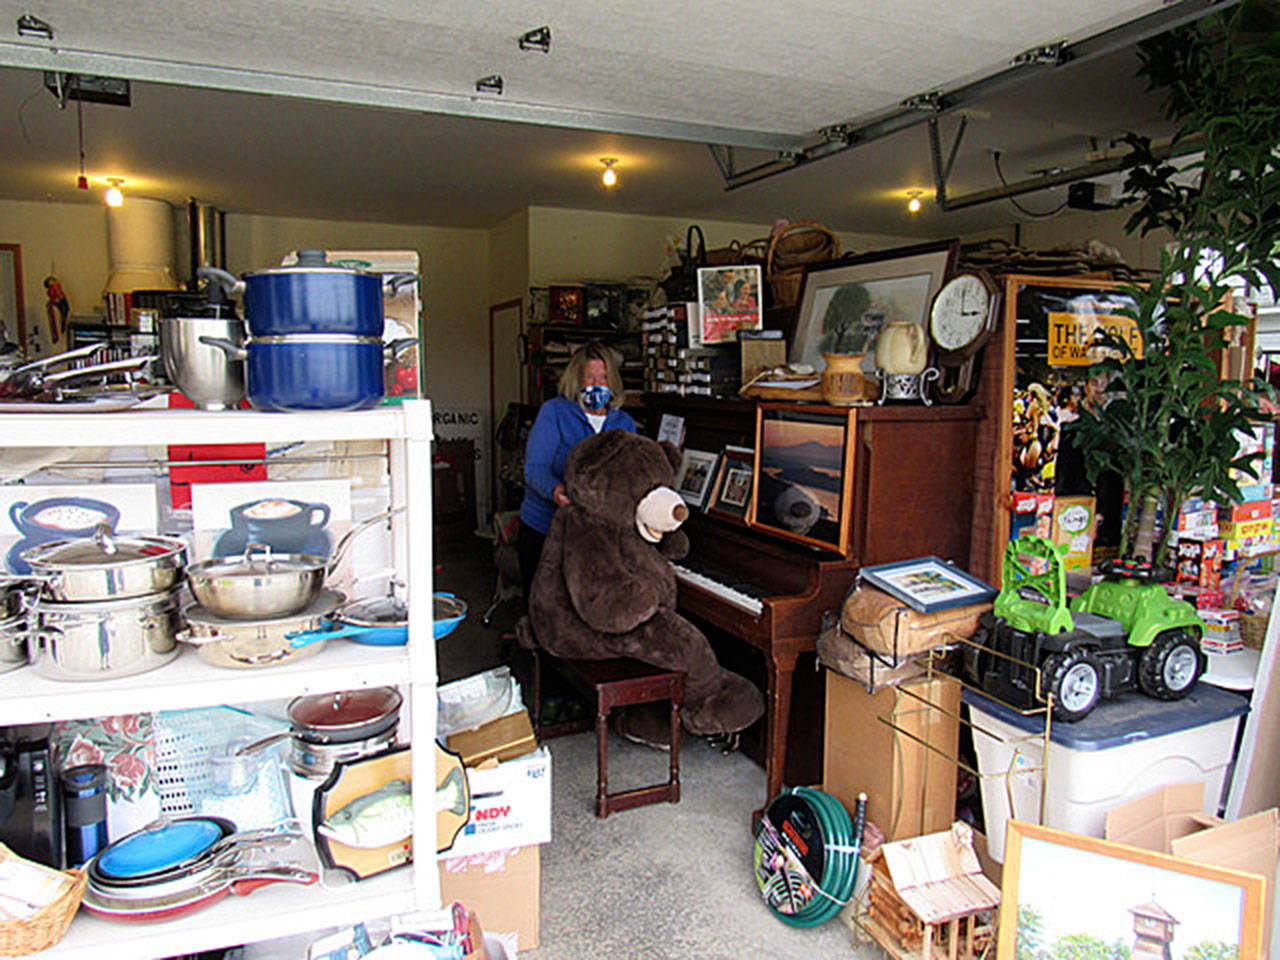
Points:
x=13 y=642
x=106 y=567
x=207 y=375
x=255 y=643
x=261 y=585
x=104 y=640
x=314 y=761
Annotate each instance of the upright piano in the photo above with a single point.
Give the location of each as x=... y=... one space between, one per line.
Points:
x=759 y=596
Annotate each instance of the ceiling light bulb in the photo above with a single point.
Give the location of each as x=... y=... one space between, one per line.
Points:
x=914 y=204
x=114 y=196
x=610 y=176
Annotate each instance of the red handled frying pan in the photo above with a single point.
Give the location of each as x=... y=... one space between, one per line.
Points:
x=238 y=880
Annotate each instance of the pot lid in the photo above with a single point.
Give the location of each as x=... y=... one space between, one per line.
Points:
x=445 y=606
x=346 y=708
x=102 y=549
x=161 y=846
x=257 y=564
x=375 y=612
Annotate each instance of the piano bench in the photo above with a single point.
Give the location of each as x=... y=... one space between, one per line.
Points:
x=620 y=682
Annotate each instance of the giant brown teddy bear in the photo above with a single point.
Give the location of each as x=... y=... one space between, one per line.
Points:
x=604 y=587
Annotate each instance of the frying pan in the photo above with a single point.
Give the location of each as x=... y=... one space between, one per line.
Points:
x=239 y=881
x=383 y=622
x=198 y=867
x=160 y=848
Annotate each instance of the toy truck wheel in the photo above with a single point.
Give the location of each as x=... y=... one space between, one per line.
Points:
x=1171 y=666
x=1075 y=681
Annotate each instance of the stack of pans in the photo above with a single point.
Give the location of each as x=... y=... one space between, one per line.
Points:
x=107 y=605
x=174 y=867
x=14 y=599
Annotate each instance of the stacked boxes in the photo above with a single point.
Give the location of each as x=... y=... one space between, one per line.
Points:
x=676 y=362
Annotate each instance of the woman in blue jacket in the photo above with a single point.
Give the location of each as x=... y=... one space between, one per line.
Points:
x=590 y=400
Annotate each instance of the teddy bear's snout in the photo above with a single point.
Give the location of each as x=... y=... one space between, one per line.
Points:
x=661 y=511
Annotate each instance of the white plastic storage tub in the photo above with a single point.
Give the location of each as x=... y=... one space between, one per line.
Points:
x=1124 y=748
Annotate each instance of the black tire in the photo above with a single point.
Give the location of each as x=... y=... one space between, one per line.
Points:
x=975 y=656
x=1074 y=679
x=1171 y=666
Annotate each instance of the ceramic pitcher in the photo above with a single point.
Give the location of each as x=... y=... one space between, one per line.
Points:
x=901 y=347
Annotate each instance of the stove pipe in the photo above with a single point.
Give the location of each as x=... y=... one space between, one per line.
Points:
x=207 y=233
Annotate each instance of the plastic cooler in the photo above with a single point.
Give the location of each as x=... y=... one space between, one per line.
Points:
x=1122 y=749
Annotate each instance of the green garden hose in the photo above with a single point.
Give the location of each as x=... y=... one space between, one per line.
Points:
x=807 y=834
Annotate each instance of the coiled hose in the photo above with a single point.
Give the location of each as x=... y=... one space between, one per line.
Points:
x=804 y=832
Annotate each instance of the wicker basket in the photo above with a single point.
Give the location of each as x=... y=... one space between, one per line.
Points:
x=1253 y=629
x=784 y=287
x=48 y=925
x=790 y=248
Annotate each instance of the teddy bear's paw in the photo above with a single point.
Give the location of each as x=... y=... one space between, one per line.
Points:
x=734 y=705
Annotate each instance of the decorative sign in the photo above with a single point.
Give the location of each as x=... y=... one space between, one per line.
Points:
x=1072 y=335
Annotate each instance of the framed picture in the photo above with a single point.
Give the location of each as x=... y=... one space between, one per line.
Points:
x=803 y=473
x=13 y=324
x=731 y=492
x=843 y=304
x=1099 y=898
x=728 y=301
x=928 y=583
x=693 y=479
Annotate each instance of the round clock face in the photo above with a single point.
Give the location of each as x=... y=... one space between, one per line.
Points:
x=960 y=312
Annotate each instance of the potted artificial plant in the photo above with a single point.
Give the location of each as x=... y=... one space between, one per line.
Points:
x=1166 y=424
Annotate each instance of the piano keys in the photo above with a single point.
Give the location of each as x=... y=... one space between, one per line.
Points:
x=765 y=596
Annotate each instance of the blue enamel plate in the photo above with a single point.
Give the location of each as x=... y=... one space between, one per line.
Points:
x=161 y=847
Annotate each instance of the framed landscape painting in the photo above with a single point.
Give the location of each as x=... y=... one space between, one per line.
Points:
x=1069 y=895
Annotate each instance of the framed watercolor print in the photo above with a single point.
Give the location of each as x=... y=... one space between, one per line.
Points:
x=728 y=301
x=693 y=479
x=803 y=473
x=730 y=496
x=1091 y=896
x=844 y=303
x=928 y=583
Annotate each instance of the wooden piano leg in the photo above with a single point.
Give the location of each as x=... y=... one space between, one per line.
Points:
x=782 y=666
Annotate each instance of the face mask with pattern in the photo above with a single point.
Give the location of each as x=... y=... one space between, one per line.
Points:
x=595 y=396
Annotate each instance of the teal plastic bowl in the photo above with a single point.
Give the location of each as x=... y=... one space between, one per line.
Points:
x=449 y=611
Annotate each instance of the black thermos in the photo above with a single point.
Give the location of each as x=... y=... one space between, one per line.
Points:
x=84 y=810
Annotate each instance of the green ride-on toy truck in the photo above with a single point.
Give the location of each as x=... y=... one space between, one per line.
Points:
x=1121 y=633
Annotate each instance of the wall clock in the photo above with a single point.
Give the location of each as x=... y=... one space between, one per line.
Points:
x=962 y=318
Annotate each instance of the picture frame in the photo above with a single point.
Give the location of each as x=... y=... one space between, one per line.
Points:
x=928 y=584
x=729 y=300
x=802 y=485
x=13 y=322
x=896 y=284
x=730 y=497
x=1058 y=885
x=693 y=479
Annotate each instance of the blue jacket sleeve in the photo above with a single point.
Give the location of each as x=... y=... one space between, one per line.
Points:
x=540 y=451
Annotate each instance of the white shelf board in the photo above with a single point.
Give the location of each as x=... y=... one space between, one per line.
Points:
x=187 y=681
x=153 y=427
x=278 y=910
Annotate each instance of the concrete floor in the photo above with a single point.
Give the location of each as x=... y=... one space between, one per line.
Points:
x=664 y=882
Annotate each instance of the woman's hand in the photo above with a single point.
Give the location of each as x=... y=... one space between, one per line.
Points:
x=559 y=496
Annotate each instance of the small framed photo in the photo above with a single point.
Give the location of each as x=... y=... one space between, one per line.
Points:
x=928 y=583
x=731 y=492
x=728 y=301
x=803 y=474
x=693 y=480
x=1069 y=894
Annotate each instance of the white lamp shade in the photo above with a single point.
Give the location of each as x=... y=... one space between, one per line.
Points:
x=140 y=246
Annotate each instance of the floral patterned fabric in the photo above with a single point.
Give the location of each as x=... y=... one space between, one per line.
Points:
x=126 y=744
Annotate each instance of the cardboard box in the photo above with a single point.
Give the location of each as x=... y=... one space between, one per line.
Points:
x=1032 y=513
x=510 y=805
x=911 y=790
x=1245 y=512
x=502 y=887
x=503 y=739
x=1171 y=820
x=1075 y=523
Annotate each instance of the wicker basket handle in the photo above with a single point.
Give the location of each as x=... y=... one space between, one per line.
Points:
x=792 y=227
x=690 y=258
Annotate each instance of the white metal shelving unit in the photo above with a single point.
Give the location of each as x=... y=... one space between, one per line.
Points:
x=280 y=909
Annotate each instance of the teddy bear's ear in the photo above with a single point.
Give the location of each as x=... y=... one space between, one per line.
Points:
x=673 y=454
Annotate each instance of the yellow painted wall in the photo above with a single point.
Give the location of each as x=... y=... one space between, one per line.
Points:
x=67 y=240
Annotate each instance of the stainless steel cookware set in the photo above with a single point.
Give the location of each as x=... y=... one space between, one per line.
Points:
x=106 y=606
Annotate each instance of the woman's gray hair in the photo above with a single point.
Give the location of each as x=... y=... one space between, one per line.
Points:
x=571 y=379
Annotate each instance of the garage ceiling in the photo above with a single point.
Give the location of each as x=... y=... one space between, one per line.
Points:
x=368 y=111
